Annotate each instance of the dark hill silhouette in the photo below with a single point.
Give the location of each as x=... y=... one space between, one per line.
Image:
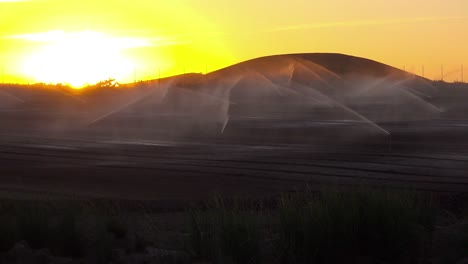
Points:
x=345 y=64
x=278 y=93
x=339 y=64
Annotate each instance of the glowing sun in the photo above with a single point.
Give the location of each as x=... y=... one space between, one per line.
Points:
x=79 y=58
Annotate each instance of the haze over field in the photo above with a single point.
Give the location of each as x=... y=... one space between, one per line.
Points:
x=79 y=42
x=268 y=98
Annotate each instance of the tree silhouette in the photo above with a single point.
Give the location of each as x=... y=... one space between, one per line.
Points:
x=109 y=83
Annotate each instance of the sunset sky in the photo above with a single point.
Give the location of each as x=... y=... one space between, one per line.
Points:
x=84 y=41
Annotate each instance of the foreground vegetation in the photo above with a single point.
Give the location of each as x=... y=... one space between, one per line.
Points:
x=325 y=227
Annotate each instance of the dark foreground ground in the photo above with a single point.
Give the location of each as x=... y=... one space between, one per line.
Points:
x=118 y=194
x=430 y=155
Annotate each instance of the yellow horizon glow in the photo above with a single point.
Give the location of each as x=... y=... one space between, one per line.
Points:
x=83 y=42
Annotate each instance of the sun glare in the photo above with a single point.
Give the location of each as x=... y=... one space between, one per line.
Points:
x=79 y=58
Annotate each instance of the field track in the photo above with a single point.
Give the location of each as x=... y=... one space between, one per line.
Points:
x=180 y=169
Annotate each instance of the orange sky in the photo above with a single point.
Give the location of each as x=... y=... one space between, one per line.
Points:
x=84 y=41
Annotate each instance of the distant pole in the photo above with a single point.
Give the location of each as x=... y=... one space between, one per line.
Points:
x=423 y=71
x=134 y=74
x=462 y=73
x=159 y=77
x=442 y=72
x=3 y=77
